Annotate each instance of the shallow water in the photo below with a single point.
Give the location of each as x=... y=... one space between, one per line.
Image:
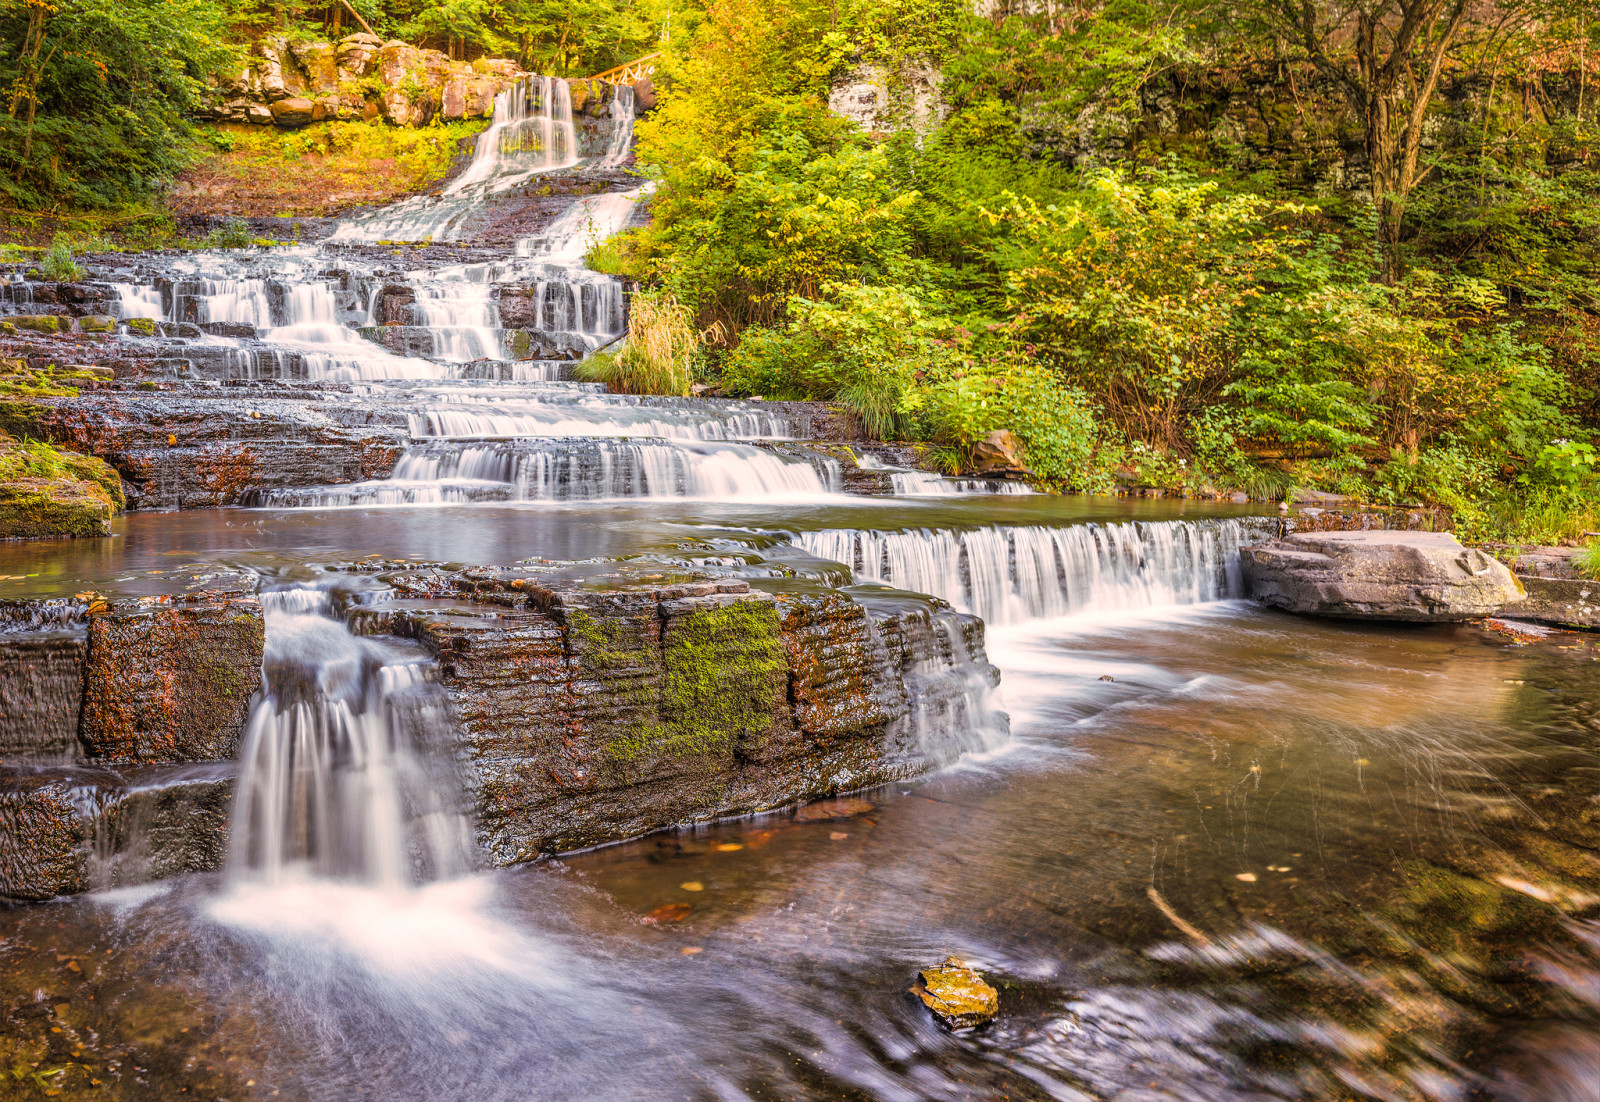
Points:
x=1273 y=858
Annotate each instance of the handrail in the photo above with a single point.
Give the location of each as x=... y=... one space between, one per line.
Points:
x=629 y=72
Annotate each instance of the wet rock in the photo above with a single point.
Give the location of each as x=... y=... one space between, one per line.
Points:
x=1378 y=575
x=1568 y=602
x=957 y=994
x=41 y=693
x=40 y=323
x=171 y=681
x=97 y=323
x=67 y=829
x=294 y=112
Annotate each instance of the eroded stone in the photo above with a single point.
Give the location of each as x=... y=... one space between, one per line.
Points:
x=958 y=996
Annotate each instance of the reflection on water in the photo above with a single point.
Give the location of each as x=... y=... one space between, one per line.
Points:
x=1228 y=855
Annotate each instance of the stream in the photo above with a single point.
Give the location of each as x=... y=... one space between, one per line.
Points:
x=1204 y=851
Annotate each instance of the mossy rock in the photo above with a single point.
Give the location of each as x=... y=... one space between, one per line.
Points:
x=145 y=327
x=40 y=323
x=40 y=508
x=98 y=323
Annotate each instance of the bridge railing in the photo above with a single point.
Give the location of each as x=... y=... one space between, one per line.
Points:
x=631 y=71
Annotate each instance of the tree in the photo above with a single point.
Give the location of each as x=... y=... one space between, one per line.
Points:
x=1386 y=56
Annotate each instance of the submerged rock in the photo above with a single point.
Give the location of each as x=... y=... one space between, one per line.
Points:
x=1378 y=575
x=957 y=994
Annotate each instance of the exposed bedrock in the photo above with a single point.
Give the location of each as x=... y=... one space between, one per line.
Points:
x=590 y=717
x=582 y=716
x=205 y=448
x=1378 y=575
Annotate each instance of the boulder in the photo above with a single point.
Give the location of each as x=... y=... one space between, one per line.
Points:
x=259 y=114
x=1569 y=602
x=1378 y=575
x=644 y=95
x=358 y=53
x=320 y=60
x=957 y=994
x=999 y=453
x=294 y=112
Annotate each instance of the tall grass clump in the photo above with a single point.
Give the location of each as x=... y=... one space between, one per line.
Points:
x=658 y=355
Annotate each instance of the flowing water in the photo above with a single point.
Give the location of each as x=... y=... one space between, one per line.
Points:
x=1205 y=851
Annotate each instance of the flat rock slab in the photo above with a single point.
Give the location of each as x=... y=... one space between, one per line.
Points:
x=1378 y=575
x=1569 y=602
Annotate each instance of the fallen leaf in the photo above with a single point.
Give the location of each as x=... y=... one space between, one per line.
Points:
x=729 y=847
x=692 y=886
x=1247 y=877
x=838 y=836
x=691 y=950
x=667 y=912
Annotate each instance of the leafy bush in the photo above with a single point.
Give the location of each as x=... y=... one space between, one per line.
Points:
x=58 y=263
x=234 y=233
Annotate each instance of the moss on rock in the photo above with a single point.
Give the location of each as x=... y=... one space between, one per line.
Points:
x=46 y=493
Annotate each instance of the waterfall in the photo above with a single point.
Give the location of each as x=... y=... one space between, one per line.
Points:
x=923 y=484
x=343 y=772
x=584 y=469
x=464 y=318
x=138 y=302
x=509 y=417
x=590 y=220
x=1010 y=574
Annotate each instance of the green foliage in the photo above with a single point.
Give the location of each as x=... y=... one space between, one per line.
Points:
x=98 y=92
x=58 y=263
x=234 y=233
x=1586 y=563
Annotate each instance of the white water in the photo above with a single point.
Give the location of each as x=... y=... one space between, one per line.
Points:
x=580 y=470
x=342 y=773
x=1008 y=575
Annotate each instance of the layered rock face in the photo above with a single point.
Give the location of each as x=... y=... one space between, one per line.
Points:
x=582 y=715
x=290 y=85
x=590 y=717
x=360 y=76
x=121 y=722
x=1378 y=575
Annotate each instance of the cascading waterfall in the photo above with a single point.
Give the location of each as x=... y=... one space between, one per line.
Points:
x=586 y=469
x=476 y=417
x=923 y=484
x=1010 y=574
x=344 y=773
x=588 y=221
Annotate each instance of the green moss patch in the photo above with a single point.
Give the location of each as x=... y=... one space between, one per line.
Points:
x=46 y=492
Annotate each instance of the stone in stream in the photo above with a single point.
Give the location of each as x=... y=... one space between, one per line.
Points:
x=957 y=994
x=1378 y=575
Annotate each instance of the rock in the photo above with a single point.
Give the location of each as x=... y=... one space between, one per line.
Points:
x=171 y=682
x=294 y=112
x=41 y=508
x=41 y=691
x=453 y=96
x=358 y=53
x=320 y=60
x=259 y=114
x=1569 y=602
x=40 y=323
x=1378 y=575
x=999 y=453
x=957 y=994
x=98 y=323
x=68 y=829
x=644 y=95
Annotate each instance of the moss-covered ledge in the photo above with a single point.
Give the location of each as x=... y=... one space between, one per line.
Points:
x=46 y=492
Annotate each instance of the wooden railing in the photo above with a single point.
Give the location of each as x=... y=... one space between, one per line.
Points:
x=632 y=71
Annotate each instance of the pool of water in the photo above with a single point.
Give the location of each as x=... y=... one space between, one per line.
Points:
x=1228 y=854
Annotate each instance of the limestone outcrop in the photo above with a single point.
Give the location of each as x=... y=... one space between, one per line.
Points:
x=1378 y=575
x=291 y=85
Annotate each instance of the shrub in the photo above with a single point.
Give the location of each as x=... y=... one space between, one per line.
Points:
x=234 y=233
x=58 y=264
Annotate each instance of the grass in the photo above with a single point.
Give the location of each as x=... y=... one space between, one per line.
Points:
x=658 y=357
x=1586 y=563
x=261 y=171
x=34 y=459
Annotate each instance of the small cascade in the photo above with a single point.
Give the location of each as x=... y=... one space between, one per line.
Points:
x=590 y=220
x=621 y=142
x=950 y=687
x=464 y=319
x=592 y=415
x=134 y=301
x=344 y=774
x=923 y=484
x=587 y=469
x=1008 y=575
